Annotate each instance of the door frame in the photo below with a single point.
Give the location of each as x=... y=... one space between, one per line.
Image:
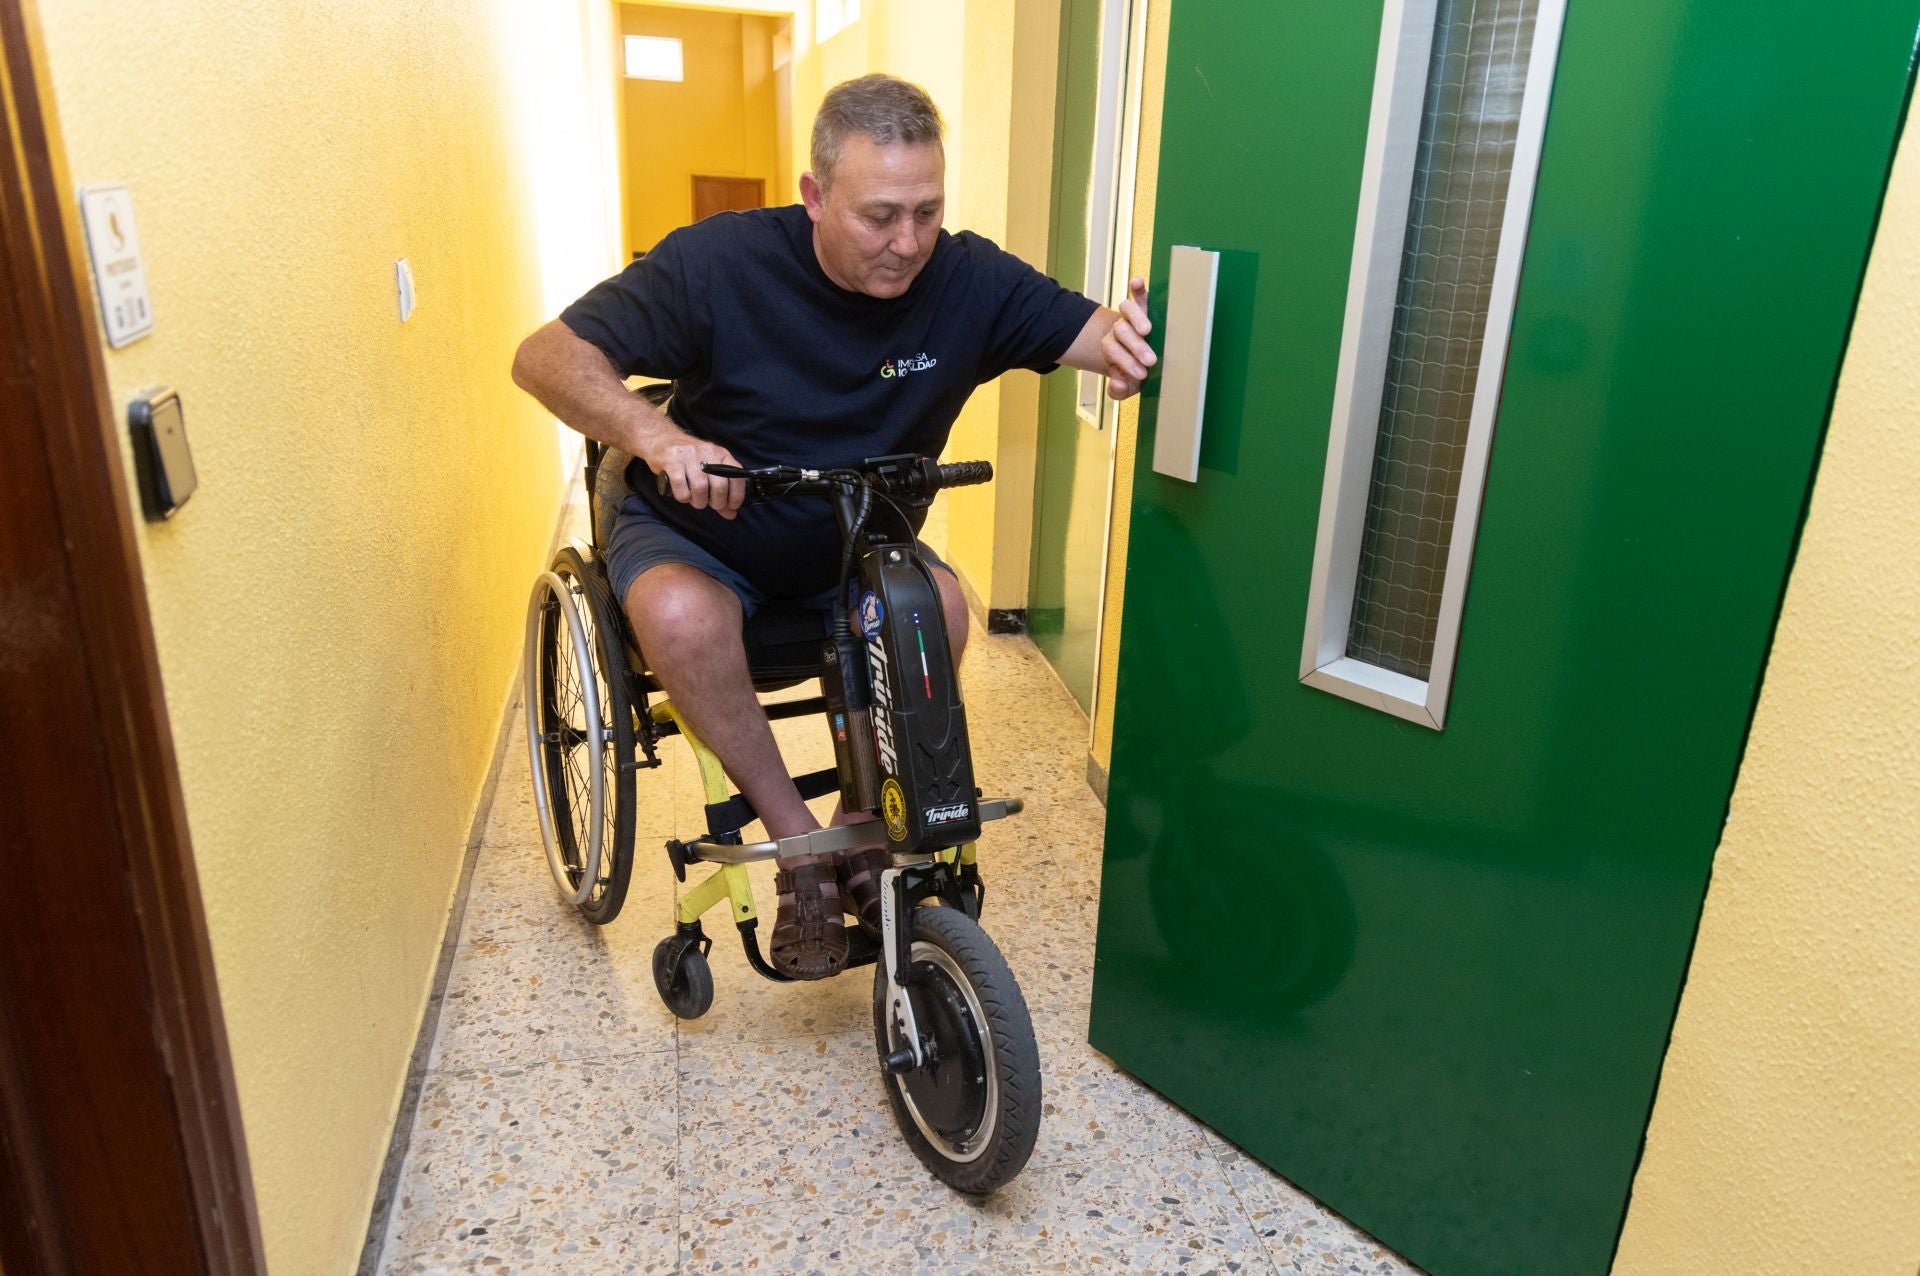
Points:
x=1124 y=128
x=1133 y=78
x=121 y=1145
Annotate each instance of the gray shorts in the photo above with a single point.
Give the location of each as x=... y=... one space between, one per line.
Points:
x=634 y=540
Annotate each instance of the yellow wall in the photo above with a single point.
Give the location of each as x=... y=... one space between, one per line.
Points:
x=1786 y=1133
x=1153 y=89
x=977 y=201
x=338 y=610
x=720 y=120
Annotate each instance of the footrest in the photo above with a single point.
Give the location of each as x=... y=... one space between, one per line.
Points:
x=827 y=841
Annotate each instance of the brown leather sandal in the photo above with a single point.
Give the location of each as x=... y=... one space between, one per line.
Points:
x=809 y=934
x=860 y=876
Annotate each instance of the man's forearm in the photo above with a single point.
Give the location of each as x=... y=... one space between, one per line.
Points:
x=1085 y=355
x=1115 y=342
x=573 y=380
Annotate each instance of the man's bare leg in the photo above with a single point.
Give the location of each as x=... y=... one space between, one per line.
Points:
x=688 y=625
x=954 y=603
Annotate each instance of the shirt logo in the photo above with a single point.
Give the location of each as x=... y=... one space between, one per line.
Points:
x=901 y=367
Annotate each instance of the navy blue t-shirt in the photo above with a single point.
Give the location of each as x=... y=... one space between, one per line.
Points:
x=778 y=364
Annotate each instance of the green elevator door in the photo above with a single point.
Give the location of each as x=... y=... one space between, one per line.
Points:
x=1429 y=975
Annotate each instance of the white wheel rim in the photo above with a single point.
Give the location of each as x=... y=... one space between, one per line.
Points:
x=972 y=1149
x=551 y=584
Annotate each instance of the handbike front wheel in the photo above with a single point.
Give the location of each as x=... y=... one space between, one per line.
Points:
x=971 y=1113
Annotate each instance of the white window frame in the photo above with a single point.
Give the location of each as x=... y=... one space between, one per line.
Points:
x=831 y=17
x=1393 y=135
x=1105 y=181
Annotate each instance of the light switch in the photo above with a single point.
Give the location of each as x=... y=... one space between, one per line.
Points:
x=160 y=453
x=403 y=279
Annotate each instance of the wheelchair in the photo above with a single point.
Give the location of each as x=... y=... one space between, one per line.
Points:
x=952 y=1032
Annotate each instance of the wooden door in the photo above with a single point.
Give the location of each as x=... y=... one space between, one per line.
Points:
x=726 y=194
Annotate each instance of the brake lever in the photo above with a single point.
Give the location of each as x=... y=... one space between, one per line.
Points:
x=719 y=469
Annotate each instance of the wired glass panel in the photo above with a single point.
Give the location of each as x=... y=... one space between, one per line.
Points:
x=1469 y=121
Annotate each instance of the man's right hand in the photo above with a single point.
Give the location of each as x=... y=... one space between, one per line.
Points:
x=573 y=379
x=679 y=462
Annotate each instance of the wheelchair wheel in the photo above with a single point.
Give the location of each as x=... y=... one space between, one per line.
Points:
x=688 y=992
x=580 y=735
x=972 y=1113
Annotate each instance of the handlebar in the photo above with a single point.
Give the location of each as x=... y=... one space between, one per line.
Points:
x=915 y=479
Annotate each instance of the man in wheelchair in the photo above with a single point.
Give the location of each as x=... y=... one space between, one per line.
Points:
x=849 y=326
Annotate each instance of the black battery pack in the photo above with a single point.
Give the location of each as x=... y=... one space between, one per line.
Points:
x=919 y=725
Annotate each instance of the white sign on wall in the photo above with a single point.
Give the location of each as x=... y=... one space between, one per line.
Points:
x=114 y=245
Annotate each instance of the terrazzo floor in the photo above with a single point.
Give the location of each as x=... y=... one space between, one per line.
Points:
x=569 y=1123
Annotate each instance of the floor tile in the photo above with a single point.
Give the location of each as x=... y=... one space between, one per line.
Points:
x=573 y=1159
x=786 y=1120
x=1168 y=1213
x=512 y=898
x=1092 y=1110
x=541 y=1240
x=1302 y=1236
x=528 y=1002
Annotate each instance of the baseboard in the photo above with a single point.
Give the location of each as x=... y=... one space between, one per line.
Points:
x=402 y=1135
x=1097 y=779
x=976 y=608
x=998 y=620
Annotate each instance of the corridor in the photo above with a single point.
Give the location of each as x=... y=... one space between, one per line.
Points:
x=569 y=1123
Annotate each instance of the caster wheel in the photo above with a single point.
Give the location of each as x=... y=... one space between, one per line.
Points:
x=688 y=992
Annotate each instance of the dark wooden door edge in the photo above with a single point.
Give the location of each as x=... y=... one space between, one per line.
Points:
x=107 y=915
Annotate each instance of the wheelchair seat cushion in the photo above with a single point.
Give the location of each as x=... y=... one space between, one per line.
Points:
x=786 y=643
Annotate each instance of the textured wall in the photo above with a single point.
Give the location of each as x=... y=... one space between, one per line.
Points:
x=1786 y=1134
x=338 y=610
x=719 y=121
x=1147 y=184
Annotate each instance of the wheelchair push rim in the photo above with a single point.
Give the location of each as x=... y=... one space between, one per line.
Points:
x=555 y=602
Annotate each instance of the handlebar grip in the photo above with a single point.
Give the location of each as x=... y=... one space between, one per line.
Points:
x=719 y=469
x=966 y=473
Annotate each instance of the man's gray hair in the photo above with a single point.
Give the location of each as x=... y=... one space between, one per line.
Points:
x=884 y=107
